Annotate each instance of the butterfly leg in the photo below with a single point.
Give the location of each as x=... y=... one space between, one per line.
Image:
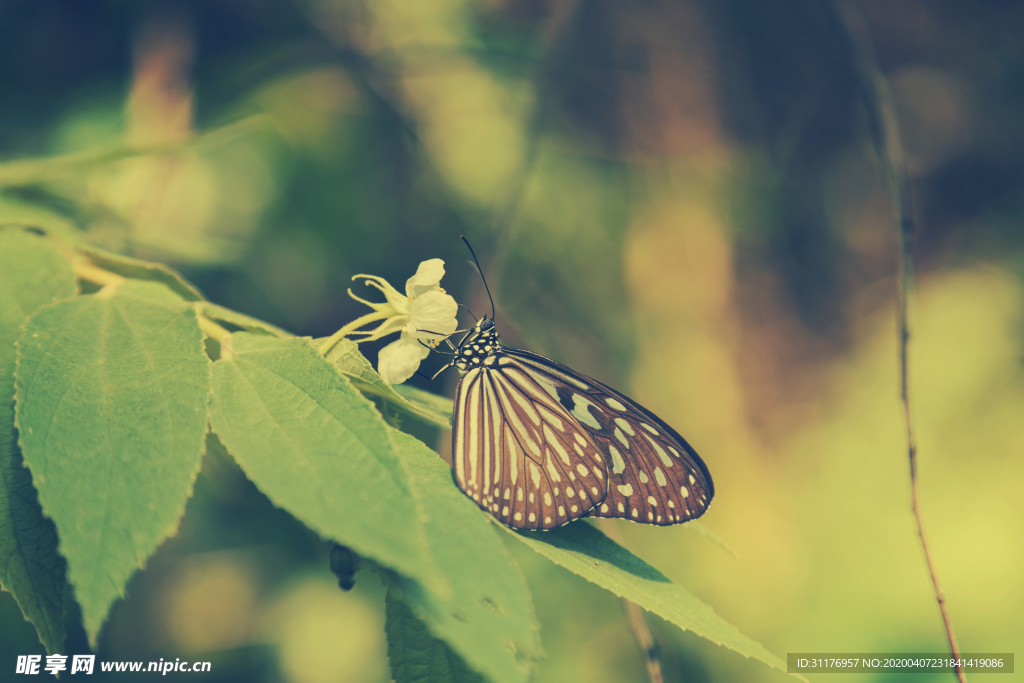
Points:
x=442 y=370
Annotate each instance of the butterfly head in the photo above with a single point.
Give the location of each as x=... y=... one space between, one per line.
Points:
x=480 y=343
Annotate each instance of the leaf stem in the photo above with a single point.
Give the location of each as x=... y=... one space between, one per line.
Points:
x=212 y=329
x=886 y=138
x=327 y=344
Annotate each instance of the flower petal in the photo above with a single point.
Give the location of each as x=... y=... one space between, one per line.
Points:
x=433 y=316
x=399 y=304
x=427 y=278
x=399 y=360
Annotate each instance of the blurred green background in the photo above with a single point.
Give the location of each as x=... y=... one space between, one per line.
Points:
x=678 y=197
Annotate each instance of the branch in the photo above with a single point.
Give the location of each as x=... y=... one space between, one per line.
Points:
x=649 y=647
x=886 y=138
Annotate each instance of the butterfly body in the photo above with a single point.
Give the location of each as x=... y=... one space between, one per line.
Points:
x=538 y=445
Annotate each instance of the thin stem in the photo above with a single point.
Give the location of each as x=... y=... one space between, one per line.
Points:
x=68 y=165
x=886 y=138
x=348 y=329
x=649 y=648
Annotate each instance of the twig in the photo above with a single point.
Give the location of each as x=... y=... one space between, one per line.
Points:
x=39 y=170
x=886 y=138
x=649 y=647
x=557 y=36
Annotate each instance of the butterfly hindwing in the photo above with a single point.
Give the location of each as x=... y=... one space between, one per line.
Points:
x=518 y=453
x=655 y=476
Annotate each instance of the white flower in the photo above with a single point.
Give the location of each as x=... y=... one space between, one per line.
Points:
x=424 y=315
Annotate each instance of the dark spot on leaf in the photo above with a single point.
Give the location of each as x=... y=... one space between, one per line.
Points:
x=493 y=604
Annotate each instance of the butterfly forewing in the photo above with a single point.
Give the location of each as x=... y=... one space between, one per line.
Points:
x=519 y=454
x=655 y=477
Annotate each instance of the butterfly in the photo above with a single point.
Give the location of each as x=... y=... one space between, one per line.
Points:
x=538 y=445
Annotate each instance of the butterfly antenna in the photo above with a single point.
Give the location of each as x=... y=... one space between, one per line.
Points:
x=481 y=271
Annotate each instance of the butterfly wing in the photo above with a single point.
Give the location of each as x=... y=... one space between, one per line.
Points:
x=519 y=453
x=654 y=476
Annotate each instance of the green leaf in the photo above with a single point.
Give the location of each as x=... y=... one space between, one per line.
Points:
x=346 y=357
x=426 y=400
x=415 y=655
x=318 y=449
x=239 y=320
x=17 y=214
x=137 y=269
x=489 y=620
x=111 y=412
x=33 y=273
x=585 y=551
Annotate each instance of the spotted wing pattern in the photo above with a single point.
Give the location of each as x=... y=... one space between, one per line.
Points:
x=537 y=444
x=518 y=452
x=654 y=475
